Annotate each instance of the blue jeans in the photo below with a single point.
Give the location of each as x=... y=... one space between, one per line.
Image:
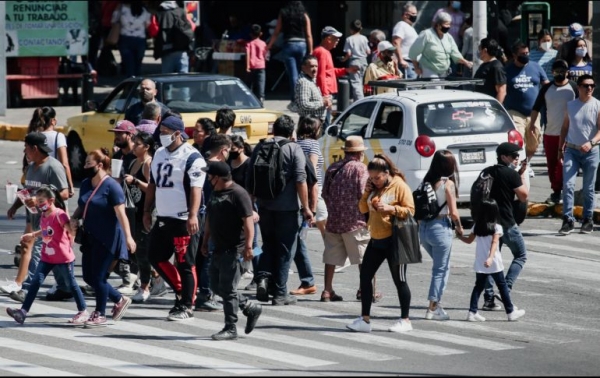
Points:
x=481 y=281
x=409 y=72
x=175 y=62
x=292 y=53
x=132 y=51
x=307 y=279
x=514 y=240
x=279 y=231
x=588 y=162
x=203 y=263
x=95 y=264
x=436 y=237
x=36 y=252
x=43 y=269
x=258 y=80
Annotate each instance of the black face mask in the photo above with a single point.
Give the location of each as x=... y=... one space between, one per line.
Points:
x=412 y=18
x=560 y=77
x=234 y=155
x=90 y=172
x=444 y=29
x=523 y=59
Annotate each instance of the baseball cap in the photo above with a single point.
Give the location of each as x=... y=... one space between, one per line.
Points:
x=507 y=148
x=125 y=126
x=39 y=140
x=175 y=124
x=576 y=30
x=385 y=46
x=330 y=30
x=217 y=168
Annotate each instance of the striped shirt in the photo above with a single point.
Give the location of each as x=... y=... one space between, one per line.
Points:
x=174 y=173
x=311 y=147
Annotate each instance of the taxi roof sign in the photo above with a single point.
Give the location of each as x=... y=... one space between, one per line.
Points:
x=423 y=83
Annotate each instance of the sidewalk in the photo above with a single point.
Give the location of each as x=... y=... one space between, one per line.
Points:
x=13 y=126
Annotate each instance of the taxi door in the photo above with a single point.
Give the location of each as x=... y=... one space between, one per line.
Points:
x=385 y=134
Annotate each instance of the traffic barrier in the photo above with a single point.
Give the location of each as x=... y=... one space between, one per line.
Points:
x=17 y=133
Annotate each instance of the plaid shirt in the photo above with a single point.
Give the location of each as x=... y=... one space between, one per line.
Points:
x=309 y=98
x=342 y=193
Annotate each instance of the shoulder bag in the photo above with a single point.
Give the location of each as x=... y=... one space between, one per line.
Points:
x=80 y=234
x=405 y=240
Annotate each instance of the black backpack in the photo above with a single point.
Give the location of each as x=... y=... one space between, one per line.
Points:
x=481 y=189
x=426 y=205
x=182 y=34
x=266 y=178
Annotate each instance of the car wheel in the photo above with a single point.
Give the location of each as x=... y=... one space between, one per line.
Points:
x=76 y=155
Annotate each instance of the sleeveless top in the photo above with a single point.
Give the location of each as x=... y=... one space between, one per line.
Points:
x=440 y=194
x=138 y=194
x=292 y=26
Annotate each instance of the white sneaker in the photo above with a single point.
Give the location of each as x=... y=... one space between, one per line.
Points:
x=141 y=296
x=158 y=287
x=437 y=314
x=10 y=287
x=80 y=318
x=125 y=290
x=475 y=317
x=247 y=275
x=52 y=290
x=359 y=325
x=516 y=314
x=401 y=326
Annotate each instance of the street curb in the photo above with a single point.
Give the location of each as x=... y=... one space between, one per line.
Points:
x=544 y=210
x=16 y=133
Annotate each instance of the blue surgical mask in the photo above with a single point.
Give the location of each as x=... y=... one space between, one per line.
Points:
x=456 y=5
x=581 y=51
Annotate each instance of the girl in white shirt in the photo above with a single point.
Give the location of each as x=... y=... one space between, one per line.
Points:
x=488 y=262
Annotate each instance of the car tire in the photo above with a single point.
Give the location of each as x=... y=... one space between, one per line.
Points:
x=76 y=155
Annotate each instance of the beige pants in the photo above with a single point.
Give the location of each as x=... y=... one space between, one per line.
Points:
x=522 y=124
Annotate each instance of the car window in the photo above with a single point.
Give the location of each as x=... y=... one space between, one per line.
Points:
x=355 y=122
x=117 y=100
x=389 y=121
x=208 y=95
x=462 y=118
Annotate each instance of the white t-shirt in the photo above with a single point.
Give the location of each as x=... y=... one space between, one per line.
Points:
x=131 y=26
x=482 y=251
x=408 y=34
x=55 y=141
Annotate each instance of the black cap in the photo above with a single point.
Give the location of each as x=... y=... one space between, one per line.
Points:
x=507 y=149
x=217 y=168
x=39 y=140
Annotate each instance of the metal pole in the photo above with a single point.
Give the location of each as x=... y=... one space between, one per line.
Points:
x=3 y=91
x=595 y=14
x=479 y=29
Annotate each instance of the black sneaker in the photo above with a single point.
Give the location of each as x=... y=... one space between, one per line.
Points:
x=262 y=293
x=587 y=226
x=18 y=296
x=58 y=295
x=182 y=313
x=175 y=308
x=491 y=306
x=252 y=312
x=227 y=333
x=287 y=300
x=556 y=197
x=567 y=226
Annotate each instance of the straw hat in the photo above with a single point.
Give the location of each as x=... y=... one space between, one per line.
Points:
x=354 y=143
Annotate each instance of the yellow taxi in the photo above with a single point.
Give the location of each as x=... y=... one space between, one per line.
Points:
x=193 y=95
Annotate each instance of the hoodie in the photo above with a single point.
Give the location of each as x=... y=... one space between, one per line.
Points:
x=168 y=13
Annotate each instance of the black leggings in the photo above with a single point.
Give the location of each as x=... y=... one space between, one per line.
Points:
x=377 y=251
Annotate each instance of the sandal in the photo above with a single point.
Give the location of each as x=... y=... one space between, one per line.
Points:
x=330 y=297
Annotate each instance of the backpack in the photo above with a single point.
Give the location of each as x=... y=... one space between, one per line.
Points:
x=266 y=178
x=182 y=34
x=480 y=190
x=426 y=205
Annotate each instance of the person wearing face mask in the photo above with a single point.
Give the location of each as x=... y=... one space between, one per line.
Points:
x=403 y=36
x=458 y=17
x=544 y=55
x=491 y=71
x=437 y=50
x=375 y=36
x=524 y=80
x=552 y=100
x=175 y=189
x=147 y=93
x=508 y=184
x=580 y=62
x=385 y=68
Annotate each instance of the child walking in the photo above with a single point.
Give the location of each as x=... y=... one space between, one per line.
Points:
x=488 y=262
x=256 y=61
x=57 y=237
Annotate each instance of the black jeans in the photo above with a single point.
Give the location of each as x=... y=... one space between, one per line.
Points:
x=224 y=279
x=377 y=251
x=481 y=280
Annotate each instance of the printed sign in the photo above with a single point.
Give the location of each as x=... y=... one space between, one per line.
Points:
x=46 y=28
x=192 y=9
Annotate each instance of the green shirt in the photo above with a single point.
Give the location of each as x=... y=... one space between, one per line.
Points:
x=435 y=52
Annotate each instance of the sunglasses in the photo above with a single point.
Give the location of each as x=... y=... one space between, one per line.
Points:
x=592 y=86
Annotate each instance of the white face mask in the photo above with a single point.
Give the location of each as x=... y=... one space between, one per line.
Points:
x=513 y=165
x=166 y=140
x=546 y=45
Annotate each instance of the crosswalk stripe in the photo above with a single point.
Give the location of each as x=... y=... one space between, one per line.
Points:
x=460 y=340
x=297 y=342
x=119 y=366
x=24 y=368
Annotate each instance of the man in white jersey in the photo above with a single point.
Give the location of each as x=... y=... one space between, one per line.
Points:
x=175 y=187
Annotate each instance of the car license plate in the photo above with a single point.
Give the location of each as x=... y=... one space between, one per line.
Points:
x=475 y=156
x=241 y=131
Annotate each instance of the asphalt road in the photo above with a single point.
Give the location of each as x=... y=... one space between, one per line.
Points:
x=559 y=335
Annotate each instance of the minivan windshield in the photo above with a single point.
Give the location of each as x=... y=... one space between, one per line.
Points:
x=462 y=118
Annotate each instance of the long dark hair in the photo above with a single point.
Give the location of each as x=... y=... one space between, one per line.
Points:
x=41 y=119
x=382 y=163
x=443 y=164
x=487 y=217
x=50 y=191
x=147 y=140
x=571 y=55
x=238 y=142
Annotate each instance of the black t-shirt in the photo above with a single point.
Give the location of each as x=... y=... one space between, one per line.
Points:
x=239 y=174
x=493 y=74
x=226 y=211
x=506 y=180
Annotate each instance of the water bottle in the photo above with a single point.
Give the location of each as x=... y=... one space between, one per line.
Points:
x=304 y=230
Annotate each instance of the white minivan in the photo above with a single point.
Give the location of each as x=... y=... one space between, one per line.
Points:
x=410 y=125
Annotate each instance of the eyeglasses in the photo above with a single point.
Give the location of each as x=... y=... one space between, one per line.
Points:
x=587 y=86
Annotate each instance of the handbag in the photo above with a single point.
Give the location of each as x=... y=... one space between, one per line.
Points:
x=153 y=27
x=405 y=240
x=80 y=234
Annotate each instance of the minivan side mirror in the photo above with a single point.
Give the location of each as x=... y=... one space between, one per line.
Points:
x=332 y=130
x=90 y=106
